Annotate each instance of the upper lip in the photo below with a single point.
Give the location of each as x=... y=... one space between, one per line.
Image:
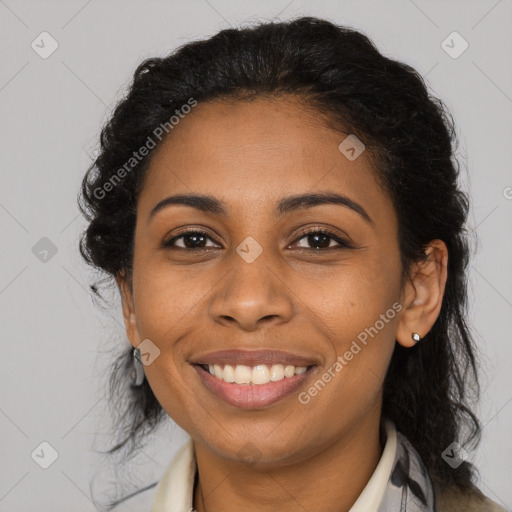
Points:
x=253 y=358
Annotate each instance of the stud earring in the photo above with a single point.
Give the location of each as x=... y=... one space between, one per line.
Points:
x=138 y=370
x=416 y=337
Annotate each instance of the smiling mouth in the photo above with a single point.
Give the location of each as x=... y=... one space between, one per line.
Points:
x=258 y=374
x=253 y=387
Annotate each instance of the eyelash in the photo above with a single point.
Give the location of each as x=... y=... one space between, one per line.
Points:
x=343 y=244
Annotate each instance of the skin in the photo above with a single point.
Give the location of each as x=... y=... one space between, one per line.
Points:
x=317 y=456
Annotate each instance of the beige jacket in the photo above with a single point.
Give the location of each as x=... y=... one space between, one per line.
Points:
x=453 y=500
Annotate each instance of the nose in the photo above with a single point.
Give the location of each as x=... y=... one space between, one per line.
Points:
x=251 y=296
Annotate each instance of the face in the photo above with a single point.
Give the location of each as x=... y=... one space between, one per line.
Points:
x=265 y=282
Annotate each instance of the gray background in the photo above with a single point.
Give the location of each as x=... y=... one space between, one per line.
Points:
x=56 y=343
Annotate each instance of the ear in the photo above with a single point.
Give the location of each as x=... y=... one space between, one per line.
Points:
x=130 y=320
x=423 y=292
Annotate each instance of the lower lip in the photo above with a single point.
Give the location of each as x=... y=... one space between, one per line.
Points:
x=252 y=396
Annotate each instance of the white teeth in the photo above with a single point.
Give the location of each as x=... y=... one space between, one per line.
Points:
x=229 y=373
x=277 y=372
x=218 y=371
x=259 y=374
x=289 y=371
x=242 y=374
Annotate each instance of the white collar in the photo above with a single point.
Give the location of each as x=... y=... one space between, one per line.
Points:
x=174 y=492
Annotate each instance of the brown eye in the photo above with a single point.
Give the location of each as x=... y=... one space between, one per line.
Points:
x=322 y=239
x=192 y=239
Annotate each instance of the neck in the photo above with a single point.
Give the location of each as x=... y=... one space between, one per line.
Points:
x=330 y=480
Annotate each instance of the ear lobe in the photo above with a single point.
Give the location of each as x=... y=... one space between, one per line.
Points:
x=423 y=294
x=130 y=320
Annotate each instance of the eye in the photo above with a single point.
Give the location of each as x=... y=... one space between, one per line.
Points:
x=322 y=238
x=192 y=239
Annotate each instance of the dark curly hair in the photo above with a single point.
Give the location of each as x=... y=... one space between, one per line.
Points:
x=430 y=389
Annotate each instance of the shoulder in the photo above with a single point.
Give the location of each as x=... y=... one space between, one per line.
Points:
x=453 y=499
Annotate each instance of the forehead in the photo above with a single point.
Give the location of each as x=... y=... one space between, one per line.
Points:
x=255 y=152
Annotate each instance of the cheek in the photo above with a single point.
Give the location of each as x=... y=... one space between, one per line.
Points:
x=349 y=385
x=355 y=297
x=165 y=308
x=357 y=310
x=361 y=334
x=167 y=299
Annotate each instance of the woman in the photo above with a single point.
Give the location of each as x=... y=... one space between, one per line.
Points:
x=279 y=208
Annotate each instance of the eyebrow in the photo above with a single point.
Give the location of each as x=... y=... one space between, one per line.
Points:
x=210 y=204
